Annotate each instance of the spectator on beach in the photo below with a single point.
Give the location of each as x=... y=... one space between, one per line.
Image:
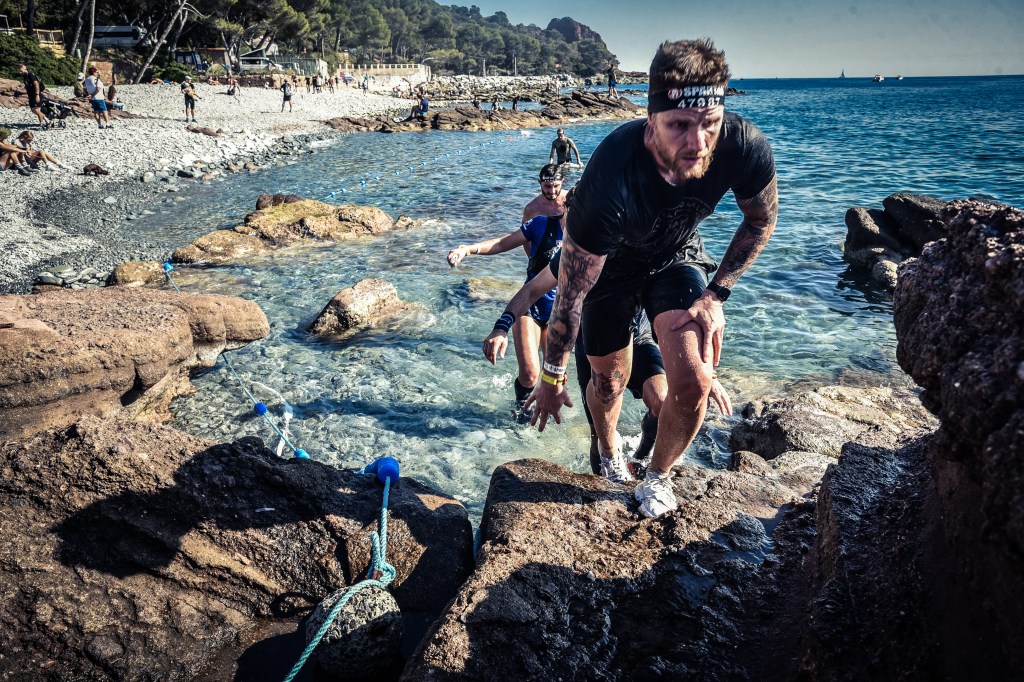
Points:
x=515 y=102
x=309 y=84
x=189 y=91
x=97 y=98
x=495 y=105
x=34 y=89
x=286 y=90
x=12 y=158
x=330 y=84
x=233 y=87
x=37 y=158
x=112 y=101
x=419 y=110
x=79 y=87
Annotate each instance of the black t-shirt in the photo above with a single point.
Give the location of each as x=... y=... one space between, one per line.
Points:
x=640 y=327
x=30 y=80
x=622 y=207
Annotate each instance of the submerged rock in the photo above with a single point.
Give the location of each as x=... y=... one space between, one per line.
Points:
x=288 y=221
x=100 y=351
x=358 y=306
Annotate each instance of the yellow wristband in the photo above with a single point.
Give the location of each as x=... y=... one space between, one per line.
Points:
x=552 y=379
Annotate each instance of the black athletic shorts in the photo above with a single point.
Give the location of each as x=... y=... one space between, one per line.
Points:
x=616 y=299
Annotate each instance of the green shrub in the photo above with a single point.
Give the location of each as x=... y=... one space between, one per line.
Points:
x=173 y=72
x=4 y=133
x=217 y=70
x=18 y=49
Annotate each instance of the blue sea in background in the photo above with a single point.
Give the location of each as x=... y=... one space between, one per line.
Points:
x=419 y=389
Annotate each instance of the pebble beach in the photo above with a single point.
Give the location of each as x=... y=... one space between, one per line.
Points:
x=63 y=221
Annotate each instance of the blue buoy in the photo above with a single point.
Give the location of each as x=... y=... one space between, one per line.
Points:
x=301 y=454
x=260 y=409
x=385 y=468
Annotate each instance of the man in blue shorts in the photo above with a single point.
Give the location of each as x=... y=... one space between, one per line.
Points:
x=646 y=379
x=542 y=235
x=633 y=242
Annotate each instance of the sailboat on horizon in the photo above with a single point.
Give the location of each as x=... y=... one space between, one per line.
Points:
x=842 y=74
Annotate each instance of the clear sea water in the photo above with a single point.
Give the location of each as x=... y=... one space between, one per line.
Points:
x=420 y=389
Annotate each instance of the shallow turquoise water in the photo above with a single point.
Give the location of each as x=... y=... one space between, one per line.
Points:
x=421 y=390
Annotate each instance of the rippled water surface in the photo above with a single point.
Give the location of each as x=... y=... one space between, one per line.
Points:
x=420 y=389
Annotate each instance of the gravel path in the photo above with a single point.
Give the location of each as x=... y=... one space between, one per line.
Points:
x=56 y=217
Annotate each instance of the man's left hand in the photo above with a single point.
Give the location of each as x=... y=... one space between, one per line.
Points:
x=707 y=312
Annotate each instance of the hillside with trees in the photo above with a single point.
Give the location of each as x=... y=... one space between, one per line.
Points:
x=449 y=38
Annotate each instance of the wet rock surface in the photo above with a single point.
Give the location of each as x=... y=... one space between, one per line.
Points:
x=358 y=306
x=99 y=351
x=285 y=220
x=824 y=419
x=133 y=551
x=878 y=241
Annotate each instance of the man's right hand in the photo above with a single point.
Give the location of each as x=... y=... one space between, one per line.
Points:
x=547 y=399
x=495 y=345
x=456 y=255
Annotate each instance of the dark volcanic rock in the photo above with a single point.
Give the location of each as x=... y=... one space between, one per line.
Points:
x=959 y=315
x=919 y=217
x=131 y=551
x=824 y=419
x=572 y=584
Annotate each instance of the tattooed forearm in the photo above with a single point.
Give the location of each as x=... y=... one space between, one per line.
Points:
x=759 y=216
x=577 y=275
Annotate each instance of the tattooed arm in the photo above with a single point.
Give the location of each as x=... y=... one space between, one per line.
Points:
x=577 y=275
x=759 y=216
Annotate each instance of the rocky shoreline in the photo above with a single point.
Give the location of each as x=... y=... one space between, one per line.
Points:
x=858 y=534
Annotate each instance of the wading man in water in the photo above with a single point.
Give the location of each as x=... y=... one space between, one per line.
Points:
x=541 y=236
x=632 y=241
x=562 y=149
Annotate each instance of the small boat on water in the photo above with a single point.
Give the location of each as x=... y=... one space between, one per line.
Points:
x=900 y=77
x=878 y=78
x=842 y=74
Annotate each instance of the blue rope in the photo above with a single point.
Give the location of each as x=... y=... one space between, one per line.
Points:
x=379 y=563
x=261 y=409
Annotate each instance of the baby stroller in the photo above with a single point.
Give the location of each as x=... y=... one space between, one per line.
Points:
x=56 y=112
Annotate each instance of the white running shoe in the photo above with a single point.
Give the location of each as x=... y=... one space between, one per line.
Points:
x=655 y=495
x=615 y=469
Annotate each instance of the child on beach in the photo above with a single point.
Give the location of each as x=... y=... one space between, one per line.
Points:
x=38 y=158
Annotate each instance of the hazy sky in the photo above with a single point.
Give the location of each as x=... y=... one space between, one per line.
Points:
x=804 y=38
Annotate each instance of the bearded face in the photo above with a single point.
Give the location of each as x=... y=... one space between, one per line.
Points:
x=683 y=141
x=551 y=189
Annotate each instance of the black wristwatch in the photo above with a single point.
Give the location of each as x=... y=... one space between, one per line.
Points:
x=718 y=290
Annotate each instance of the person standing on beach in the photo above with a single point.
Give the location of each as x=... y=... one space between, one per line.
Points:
x=633 y=241
x=612 y=81
x=97 y=98
x=562 y=149
x=34 y=89
x=286 y=91
x=189 y=91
